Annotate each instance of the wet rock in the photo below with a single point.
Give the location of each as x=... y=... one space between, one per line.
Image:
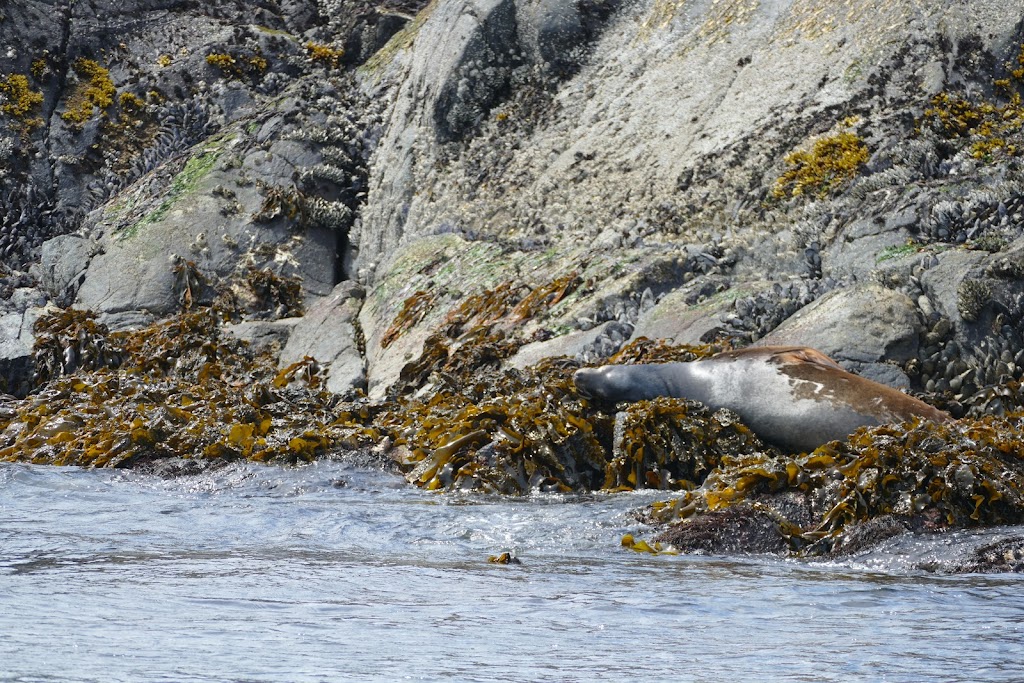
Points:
x=1006 y=555
x=329 y=334
x=740 y=529
x=866 y=535
x=18 y=314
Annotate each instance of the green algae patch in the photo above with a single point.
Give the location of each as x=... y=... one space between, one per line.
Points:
x=184 y=183
x=899 y=251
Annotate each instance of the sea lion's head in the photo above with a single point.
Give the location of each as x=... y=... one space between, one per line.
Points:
x=609 y=383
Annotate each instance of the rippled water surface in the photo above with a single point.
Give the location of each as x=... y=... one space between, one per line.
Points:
x=326 y=573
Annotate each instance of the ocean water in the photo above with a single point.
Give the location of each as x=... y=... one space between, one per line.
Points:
x=327 y=572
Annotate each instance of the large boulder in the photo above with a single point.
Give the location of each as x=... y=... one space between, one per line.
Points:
x=864 y=328
x=230 y=205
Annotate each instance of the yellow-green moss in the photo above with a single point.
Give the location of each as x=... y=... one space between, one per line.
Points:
x=257 y=63
x=132 y=103
x=832 y=162
x=986 y=125
x=94 y=91
x=226 y=63
x=324 y=54
x=237 y=66
x=38 y=68
x=163 y=60
x=19 y=98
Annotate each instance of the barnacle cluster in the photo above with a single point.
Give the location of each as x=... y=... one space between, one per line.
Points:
x=302 y=209
x=94 y=90
x=971 y=297
x=128 y=136
x=832 y=162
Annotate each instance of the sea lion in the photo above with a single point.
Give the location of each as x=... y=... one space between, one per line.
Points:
x=792 y=396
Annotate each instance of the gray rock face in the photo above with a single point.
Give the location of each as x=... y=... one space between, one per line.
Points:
x=640 y=144
x=672 y=318
x=863 y=324
x=17 y=316
x=62 y=264
x=264 y=335
x=329 y=333
x=671 y=136
x=570 y=345
x=552 y=32
x=468 y=56
x=229 y=205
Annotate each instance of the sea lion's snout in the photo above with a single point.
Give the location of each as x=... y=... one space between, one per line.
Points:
x=607 y=383
x=588 y=382
x=583 y=380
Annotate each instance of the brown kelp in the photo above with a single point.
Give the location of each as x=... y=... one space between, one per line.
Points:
x=174 y=389
x=459 y=418
x=959 y=474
